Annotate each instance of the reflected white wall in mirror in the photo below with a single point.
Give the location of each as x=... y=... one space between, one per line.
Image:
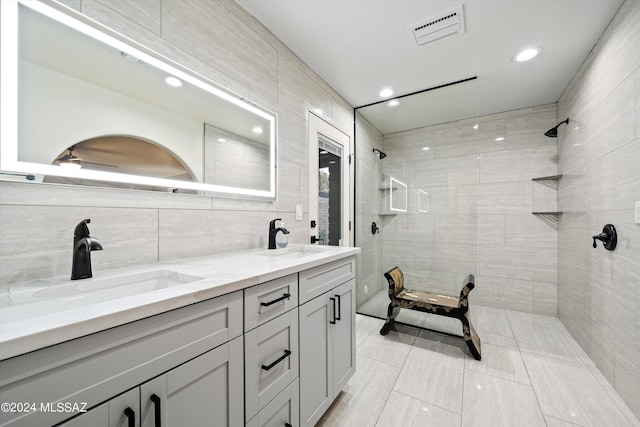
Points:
x=398 y=198
x=66 y=79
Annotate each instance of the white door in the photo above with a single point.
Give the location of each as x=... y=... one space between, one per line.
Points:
x=330 y=184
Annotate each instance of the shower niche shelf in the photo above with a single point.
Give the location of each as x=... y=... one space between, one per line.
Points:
x=545 y=195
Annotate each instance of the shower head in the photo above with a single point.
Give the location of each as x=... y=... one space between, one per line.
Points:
x=553 y=132
x=380 y=153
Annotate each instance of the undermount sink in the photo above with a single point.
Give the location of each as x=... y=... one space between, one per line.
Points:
x=80 y=293
x=294 y=252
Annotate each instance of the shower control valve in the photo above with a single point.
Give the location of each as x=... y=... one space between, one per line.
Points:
x=608 y=237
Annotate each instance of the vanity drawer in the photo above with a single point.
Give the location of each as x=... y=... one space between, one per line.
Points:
x=282 y=410
x=269 y=300
x=318 y=280
x=271 y=360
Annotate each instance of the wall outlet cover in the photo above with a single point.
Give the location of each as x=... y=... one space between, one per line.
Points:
x=637 y=212
x=298 y=212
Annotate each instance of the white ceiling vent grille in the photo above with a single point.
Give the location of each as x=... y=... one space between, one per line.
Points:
x=442 y=25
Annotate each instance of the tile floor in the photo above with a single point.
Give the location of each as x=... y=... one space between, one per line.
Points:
x=532 y=373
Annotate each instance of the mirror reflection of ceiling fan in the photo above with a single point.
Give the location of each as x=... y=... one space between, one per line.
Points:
x=74 y=162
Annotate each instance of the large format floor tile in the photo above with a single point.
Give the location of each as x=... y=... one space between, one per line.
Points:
x=569 y=391
x=532 y=373
x=493 y=402
x=403 y=411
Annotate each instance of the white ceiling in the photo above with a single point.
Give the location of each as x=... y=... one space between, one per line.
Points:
x=361 y=46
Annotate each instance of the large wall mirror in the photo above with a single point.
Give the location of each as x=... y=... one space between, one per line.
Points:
x=85 y=105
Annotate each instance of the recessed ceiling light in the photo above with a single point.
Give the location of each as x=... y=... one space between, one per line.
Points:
x=426 y=148
x=222 y=140
x=173 y=81
x=257 y=129
x=527 y=54
x=393 y=103
x=384 y=93
x=500 y=138
x=475 y=126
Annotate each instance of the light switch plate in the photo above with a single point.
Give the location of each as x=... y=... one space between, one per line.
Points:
x=637 y=212
x=298 y=212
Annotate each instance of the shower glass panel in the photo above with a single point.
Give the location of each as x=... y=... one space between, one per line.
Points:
x=422 y=196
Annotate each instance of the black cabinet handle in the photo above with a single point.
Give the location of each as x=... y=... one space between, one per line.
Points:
x=267 y=304
x=333 y=301
x=158 y=413
x=287 y=425
x=280 y=359
x=131 y=417
x=339 y=309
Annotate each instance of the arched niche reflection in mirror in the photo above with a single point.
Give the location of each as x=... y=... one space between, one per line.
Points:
x=123 y=154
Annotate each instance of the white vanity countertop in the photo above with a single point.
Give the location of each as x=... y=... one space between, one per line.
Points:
x=41 y=313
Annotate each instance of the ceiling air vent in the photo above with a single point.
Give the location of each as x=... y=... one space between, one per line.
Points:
x=442 y=25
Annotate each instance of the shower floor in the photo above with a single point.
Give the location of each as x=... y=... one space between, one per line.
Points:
x=532 y=373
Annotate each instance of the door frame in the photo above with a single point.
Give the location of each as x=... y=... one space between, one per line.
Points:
x=318 y=126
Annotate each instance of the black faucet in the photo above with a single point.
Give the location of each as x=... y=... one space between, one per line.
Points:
x=83 y=244
x=273 y=231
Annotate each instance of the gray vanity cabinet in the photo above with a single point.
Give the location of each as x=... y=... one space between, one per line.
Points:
x=204 y=389
x=110 y=413
x=327 y=341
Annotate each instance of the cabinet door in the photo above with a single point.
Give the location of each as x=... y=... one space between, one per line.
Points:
x=316 y=361
x=96 y=417
x=207 y=390
x=121 y=411
x=344 y=335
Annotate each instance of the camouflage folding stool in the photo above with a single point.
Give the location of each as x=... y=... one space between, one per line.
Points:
x=442 y=305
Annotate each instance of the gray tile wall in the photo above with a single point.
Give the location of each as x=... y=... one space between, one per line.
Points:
x=219 y=40
x=481 y=198
x=599 y=291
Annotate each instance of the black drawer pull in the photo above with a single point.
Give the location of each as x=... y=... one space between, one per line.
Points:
x=339 y=309
x=131 y=417
x=333 y=301
x=158 y=413
x=287 y=425
x=267 y=304
x=280 y=359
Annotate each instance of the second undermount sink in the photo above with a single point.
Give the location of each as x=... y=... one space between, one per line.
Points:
x=80 y=293
x=295 y=252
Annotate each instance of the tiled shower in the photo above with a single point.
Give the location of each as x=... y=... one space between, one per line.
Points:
x=482 y=194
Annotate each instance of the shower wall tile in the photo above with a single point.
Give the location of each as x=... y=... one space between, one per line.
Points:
x=461 y=139
x=527 y=263
x=545 y=196
x=515 y=197
x=528 y=230
x=452 y=256
x=519 y=165
x=599 y=153
x=500 y=292
x=528 y=130
x=545 y=299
